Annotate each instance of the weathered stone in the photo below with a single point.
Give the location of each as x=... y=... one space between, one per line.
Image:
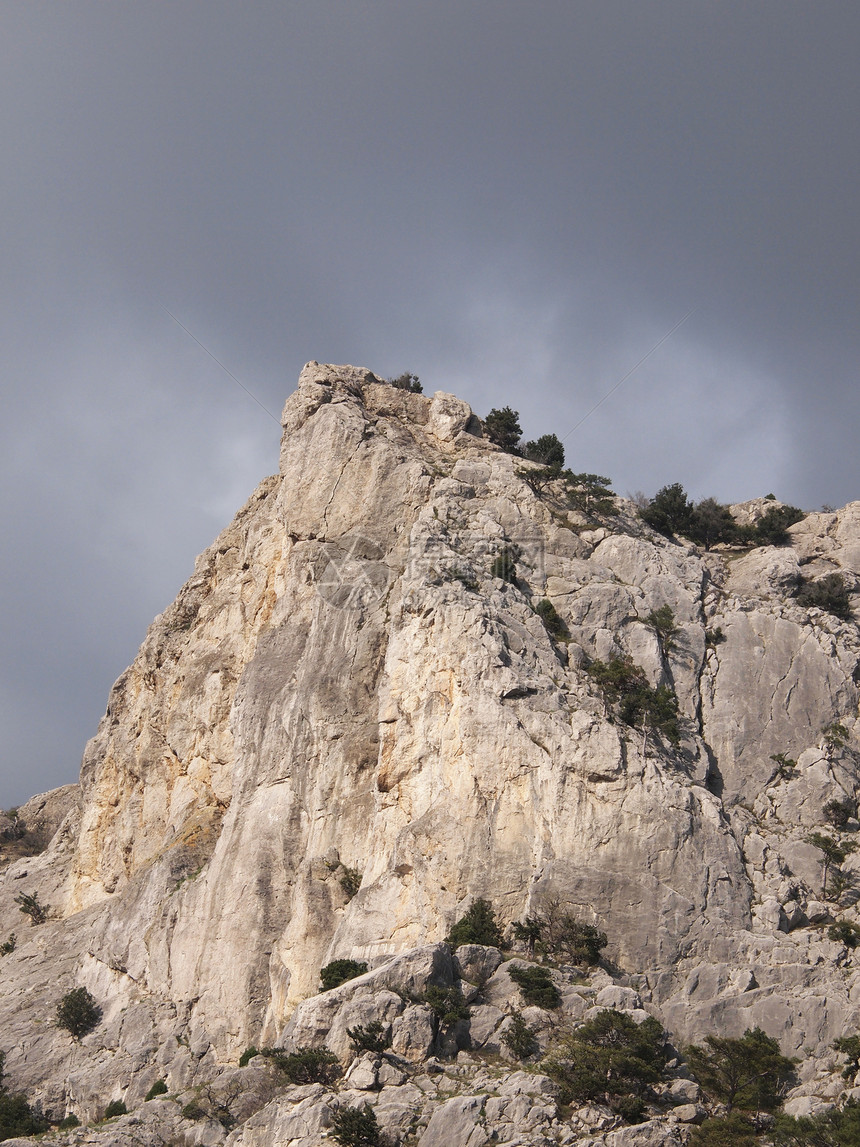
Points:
x=456 y=1121
x=346 y=729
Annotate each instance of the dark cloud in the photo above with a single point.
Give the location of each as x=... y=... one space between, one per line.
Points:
x=517 y=201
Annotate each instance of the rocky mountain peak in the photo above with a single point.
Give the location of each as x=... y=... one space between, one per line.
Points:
x=402 y=679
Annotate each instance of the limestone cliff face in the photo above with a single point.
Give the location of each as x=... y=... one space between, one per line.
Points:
x=344 y=685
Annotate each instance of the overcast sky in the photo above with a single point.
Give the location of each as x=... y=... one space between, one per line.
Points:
x=515 y=200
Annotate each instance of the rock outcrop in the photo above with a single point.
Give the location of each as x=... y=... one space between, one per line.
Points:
x=346 y=728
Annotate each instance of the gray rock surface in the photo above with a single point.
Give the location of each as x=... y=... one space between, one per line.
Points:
x=344 y=695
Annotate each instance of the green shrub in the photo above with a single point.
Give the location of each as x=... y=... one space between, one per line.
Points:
x=626 y=692
x=662 y=621
x=30 y=906
x=837 y=813
x=519 y=1038
x=356 y=1127
x=350 y=881
x=590 y=494
x=193 y=1110
x=339 y=971
x=611 y=1059
x=552 y=619
x=714 y=637
x=409 y=382
x=370 y=1037
x=786 y=767
x=669 y=511
x=70 y=1121
x=829 y=593
x=158 y=1088
x=305 y=1064
x=8 y=946
x=833 y=853
x=247 y=1055
x=538 y=478
x=477 y=926
x=849 y=1046
x=749 y=1073
x=505 y=564
x=78 y=1013
x=712 y=523
x=114 y=1108
x=503 y=428
x=835 y=735
x=560 y=937
x=536 y=986
x=548 y=450
x=772 y=527
x=732 y=1131
x=17 y=1119
x=836 y=1128
x=447 y=1003
x=844 y=932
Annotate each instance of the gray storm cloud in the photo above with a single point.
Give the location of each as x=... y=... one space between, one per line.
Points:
x=514 y=200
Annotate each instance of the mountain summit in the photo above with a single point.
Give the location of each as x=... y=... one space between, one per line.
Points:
x=404 y=679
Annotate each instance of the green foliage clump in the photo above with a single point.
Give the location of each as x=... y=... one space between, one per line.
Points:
x=9 y=945
x=750 y=1073
x=68 y=1122
x=555 y=624
x=835 y=735
x=519 y=1038
x=536 y=986
x=669 y=511
x=409 y=382
x=590 y=494
x=711 y=523
x=833 y=853
x=557 y=935
x=715 y=637
x=114 y=1108
x=626 y=690
x=502 y=427
x=844 y=932
x=305 y=1064
x=505 y=563
x=356 y=1127
x=16 y=1117
x=448 y=1004
x=772 y=527
x=247 y=1055
x=78 y=1013
x=538 y=477
x=548 y=450
x=339 y=971
x=31 y=906
x=837 y=813
x=786 y=767
x=849 y=1046
x=829 y=593
x=477 y=926
x=193 y=1110
x=731 y=1131
x=160 y=1088
x=369 y=1037
x=662 y=621
x=836 y=1128
x=350 y=881
x=611 y=1059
